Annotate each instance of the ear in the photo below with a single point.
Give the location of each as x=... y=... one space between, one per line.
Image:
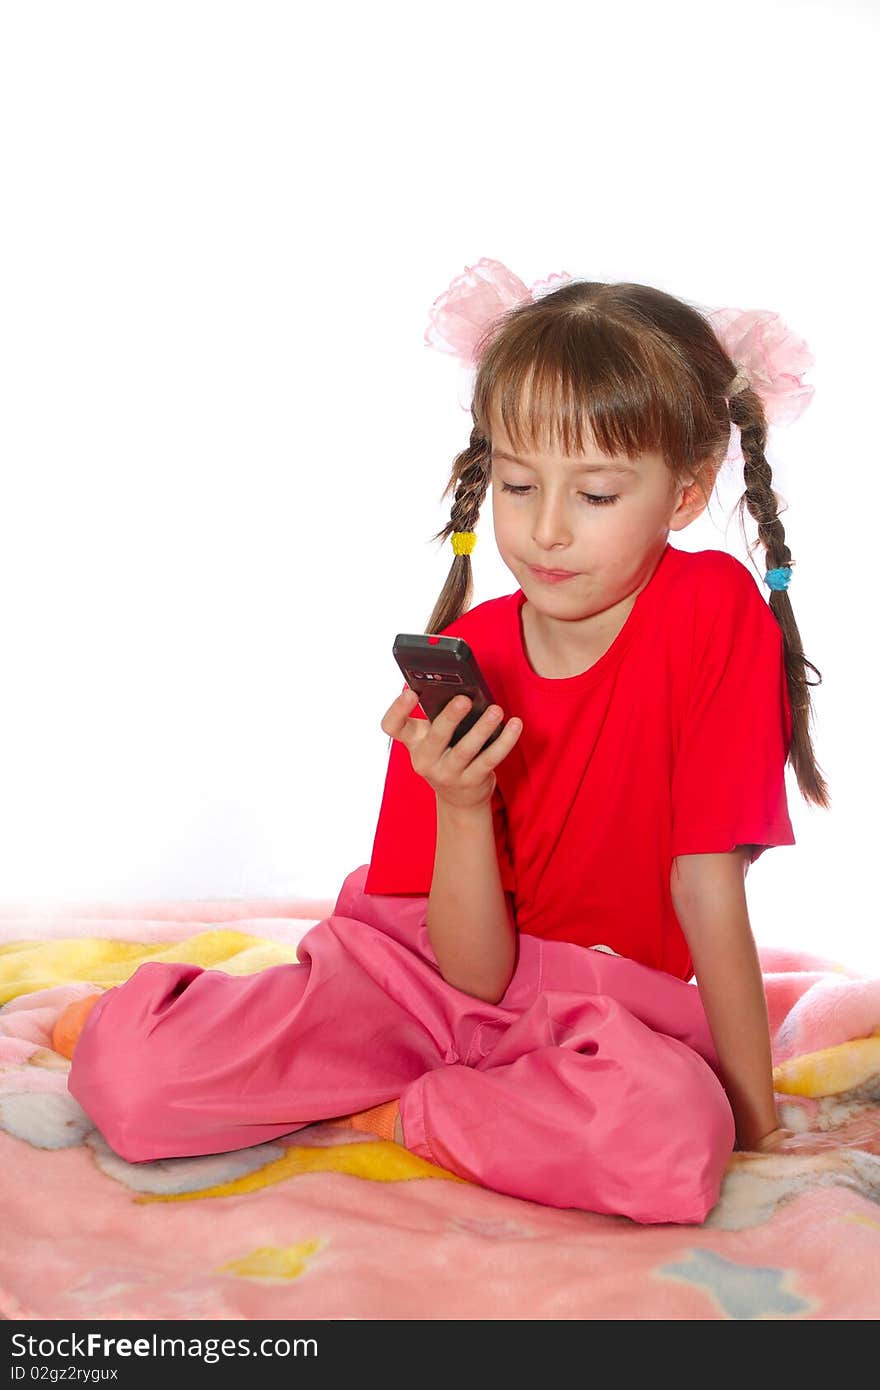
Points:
x=690 y=499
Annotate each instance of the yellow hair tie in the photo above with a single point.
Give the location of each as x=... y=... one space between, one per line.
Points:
x=463 y=542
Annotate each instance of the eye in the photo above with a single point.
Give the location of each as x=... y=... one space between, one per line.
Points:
x=594 y=499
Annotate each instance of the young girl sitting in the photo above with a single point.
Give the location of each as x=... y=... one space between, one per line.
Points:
x=506 y=988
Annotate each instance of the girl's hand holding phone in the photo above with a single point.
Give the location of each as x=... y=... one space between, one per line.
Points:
x=462 y=775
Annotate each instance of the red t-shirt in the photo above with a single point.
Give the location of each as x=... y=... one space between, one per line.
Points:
x=673 y=742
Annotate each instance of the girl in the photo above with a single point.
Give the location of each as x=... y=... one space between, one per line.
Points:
x=505 y=988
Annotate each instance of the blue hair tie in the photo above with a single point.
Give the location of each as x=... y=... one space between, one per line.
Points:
x=778 y=578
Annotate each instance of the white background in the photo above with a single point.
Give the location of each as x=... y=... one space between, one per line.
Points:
x=224 y=442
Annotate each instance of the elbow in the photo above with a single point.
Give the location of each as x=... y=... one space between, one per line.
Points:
x=486 y=974
x=496 y=995
x=492 y=995
x=489 y=988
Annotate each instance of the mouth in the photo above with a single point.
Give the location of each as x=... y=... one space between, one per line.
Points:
x=551 y=575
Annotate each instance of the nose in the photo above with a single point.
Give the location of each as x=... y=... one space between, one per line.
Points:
x=550 y=526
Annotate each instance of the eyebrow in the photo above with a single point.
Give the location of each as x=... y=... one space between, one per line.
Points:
x=577 y=468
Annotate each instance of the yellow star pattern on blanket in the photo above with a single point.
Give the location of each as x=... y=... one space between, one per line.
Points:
x=273 y=1261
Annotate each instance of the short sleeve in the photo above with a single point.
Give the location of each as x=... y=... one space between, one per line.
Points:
x=728 y=782
x=402 y=860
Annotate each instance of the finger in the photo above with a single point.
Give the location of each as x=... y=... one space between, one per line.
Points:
x=443 y=725
x=499 y=749
x=470 y=743
x=397 y=714
x=470 y=747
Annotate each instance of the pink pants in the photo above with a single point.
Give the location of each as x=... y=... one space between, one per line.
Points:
x=592 y=1084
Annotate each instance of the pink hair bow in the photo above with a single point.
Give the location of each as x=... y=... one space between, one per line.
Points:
x=485 y=291
x=769 y=359
x=768 y=356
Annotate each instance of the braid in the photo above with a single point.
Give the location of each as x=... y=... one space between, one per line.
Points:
x=470 y=478
x=746 y=412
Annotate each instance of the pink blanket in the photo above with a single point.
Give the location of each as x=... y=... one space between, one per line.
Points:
x=330 y=1224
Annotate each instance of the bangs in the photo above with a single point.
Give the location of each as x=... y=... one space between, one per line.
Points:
x=575 y=382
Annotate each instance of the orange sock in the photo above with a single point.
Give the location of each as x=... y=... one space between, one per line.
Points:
x=70 y=1022
x=378 y=1120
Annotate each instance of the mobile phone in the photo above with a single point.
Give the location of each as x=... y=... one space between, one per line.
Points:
x=438 y=669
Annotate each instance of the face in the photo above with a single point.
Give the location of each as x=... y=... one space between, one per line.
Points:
x=607 y=521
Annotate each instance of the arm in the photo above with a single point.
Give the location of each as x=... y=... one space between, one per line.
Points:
x=708 y=894
x=470 y=920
